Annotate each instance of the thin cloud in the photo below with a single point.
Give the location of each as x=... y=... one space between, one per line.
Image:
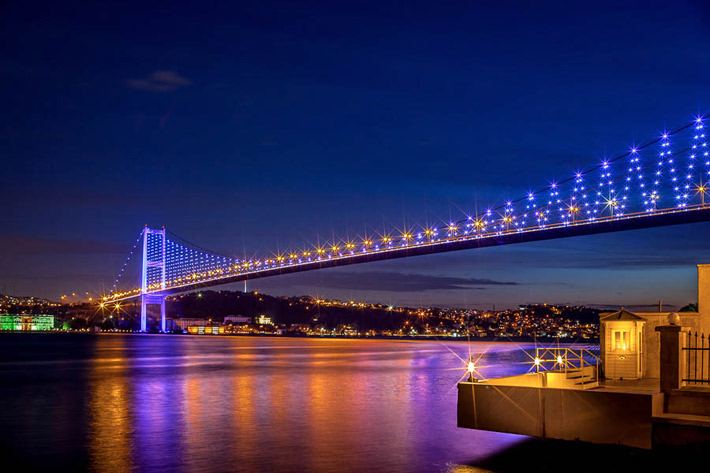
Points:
x=638 y=307
x=160 y=81
x=392 y=281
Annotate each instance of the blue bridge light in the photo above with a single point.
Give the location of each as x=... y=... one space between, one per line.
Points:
x=661 y=182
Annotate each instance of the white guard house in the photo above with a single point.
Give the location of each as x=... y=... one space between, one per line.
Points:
x=622 y=347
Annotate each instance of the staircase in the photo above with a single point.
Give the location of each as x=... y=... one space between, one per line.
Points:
x=585 y=377
x=571 y=378
x=571 y=368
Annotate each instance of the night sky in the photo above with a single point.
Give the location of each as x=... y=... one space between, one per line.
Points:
x=258 y=126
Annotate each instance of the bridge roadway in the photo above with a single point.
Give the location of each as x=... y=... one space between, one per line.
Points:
x=675 y=216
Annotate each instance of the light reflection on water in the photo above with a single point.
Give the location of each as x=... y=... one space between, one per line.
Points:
x=186 y=403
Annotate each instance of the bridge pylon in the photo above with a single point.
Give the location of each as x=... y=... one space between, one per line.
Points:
x=153 y=274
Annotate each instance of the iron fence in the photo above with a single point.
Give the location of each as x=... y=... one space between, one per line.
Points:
x=697 y=361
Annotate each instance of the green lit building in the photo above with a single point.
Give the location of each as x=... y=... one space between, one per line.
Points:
x=26 y=322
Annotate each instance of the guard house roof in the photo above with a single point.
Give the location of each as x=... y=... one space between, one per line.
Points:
x=620 y=315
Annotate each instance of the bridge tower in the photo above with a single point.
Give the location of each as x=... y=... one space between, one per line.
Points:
x=153 y=274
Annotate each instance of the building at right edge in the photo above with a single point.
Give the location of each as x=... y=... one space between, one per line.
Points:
x=617 y=354
x=647 y=386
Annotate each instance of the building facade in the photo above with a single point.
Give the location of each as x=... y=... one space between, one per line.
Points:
x=27 y=322
x=183 y=323
x=650 y=341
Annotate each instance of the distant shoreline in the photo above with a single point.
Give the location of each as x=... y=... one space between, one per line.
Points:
x=430 y=338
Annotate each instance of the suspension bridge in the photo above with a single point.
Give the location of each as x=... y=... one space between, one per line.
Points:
x=664 y=181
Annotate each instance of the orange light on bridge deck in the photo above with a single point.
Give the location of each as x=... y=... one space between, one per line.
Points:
x=320 y=251
x=406 y=236
x=367 y=243
x=350 y=245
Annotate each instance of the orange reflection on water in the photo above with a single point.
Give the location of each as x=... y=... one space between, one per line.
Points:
x=110 y=424
x=202 y=404
x=344 y=400
x=204 y=401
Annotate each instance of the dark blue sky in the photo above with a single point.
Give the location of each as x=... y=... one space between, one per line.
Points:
x=251 y=127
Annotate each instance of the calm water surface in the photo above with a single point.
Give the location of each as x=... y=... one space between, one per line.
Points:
x=113 y=403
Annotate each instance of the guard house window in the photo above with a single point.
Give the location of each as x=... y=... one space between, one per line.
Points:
x=621 y=340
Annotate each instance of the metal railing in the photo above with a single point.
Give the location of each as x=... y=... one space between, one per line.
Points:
x=697 y=349
x=567 y=359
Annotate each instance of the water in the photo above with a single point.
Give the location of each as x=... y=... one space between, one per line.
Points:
x=114 y=403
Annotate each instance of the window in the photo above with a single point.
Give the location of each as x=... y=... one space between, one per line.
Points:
x=620 y=340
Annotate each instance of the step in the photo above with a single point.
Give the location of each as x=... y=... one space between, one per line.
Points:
x=577 y=372
x=685 y=431
x=692 y=400
x=579 y=375
x=683 y=419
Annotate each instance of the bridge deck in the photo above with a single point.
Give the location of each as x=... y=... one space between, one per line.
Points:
x=608 y=225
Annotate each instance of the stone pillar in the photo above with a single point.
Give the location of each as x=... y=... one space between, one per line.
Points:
x=704 y=298
x=144 y=313
x=671 y=357
x=162 y=314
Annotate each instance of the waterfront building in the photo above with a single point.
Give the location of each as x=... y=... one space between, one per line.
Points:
x=621 y=345
x=648 y=388
x=184 y=323
x=237 y=319
x=696 y=321
x=264 y=320
x=27 y=322
x=205 y=330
